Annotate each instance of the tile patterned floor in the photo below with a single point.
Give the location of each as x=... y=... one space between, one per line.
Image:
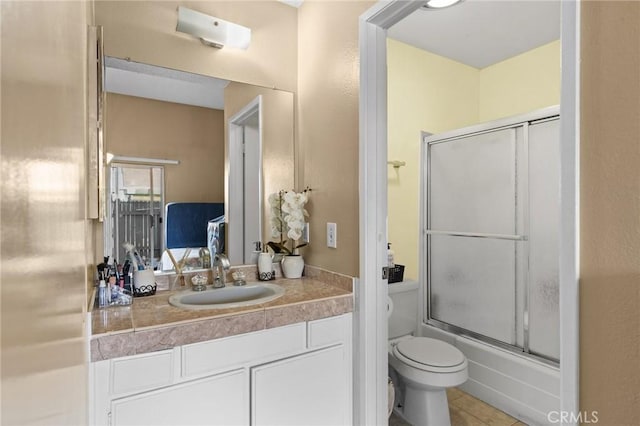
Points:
x=465 y=410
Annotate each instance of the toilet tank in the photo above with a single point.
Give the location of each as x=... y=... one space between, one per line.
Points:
x=403 y=319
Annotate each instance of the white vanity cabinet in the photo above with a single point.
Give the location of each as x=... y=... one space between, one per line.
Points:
x=290 y=375
x=308 y=390
x=216 y=400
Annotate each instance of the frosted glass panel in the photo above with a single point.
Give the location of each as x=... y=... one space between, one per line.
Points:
x=544 y=217
x=473 y=183
x=472 y=284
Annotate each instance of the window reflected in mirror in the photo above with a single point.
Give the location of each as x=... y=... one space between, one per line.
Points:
x=135 y=203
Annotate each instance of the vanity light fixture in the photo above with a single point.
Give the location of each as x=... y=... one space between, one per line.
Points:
x=439 y=4
x=212 y=31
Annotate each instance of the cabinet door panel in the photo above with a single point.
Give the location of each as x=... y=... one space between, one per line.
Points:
x=142 y=372
x=218 y=400
x=310 y=389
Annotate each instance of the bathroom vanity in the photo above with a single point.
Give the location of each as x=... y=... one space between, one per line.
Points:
x=285 y=362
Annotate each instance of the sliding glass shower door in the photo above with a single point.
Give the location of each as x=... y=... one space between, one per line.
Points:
x=491 y=212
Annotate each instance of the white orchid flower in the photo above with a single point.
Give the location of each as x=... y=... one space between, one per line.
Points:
x=288 y=216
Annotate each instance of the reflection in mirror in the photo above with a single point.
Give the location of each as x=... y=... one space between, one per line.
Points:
x=134 y=208
x=232 y=142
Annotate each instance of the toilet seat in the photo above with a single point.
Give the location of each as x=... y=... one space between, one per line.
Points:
x=430 y=355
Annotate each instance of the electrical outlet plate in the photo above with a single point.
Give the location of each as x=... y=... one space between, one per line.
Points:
x=332 y=235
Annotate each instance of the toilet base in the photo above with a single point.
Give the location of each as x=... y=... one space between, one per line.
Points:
x=426 y=407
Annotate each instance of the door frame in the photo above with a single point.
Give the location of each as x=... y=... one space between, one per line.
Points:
x=234 y=195
x=370 y=396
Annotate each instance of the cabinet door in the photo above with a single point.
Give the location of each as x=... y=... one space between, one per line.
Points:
x=217 y=400
x=309 y=389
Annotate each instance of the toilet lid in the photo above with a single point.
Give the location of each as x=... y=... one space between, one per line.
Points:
x=426 y=351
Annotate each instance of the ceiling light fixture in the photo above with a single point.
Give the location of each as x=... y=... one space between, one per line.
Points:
x=212 y=31
x=439 y=4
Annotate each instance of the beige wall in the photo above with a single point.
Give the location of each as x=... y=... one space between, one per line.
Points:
x=610 y=212
x=43 y=239
x=193 y=135
x=277 y=138
x=43 y=228
x=145 y=32
x=328 y=88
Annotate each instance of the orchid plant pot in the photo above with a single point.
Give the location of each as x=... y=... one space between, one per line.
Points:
x=292 y=266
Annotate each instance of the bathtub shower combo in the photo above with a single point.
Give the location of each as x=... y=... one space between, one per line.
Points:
x=489 y=256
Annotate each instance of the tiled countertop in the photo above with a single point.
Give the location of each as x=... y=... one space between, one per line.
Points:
x=151 y=324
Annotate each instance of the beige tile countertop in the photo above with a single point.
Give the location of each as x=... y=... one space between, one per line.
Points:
x=151 y=324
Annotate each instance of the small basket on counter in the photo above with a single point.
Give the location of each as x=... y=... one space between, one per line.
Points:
x=144 y=283
x=396 y=274
x=144 y=290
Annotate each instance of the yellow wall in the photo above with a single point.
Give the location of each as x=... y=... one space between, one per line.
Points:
x=145 y=32
x=43 y=233
x=610 y=212
x=520 y=84
x=427 y=92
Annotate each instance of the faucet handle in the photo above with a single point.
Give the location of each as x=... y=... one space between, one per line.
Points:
x=239 y=278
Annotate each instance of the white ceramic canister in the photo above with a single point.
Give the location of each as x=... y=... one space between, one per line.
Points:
x=292 y=266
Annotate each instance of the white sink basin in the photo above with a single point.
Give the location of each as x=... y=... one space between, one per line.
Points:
x=227 y=297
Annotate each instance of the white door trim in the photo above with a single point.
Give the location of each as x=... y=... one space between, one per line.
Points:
x=370 y=398
x=370 y=390
x=570 y=209
x=234 y=196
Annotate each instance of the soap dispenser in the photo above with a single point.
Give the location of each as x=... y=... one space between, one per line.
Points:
x=265 y=267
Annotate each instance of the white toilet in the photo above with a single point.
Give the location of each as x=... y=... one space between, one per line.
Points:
x=421 y=368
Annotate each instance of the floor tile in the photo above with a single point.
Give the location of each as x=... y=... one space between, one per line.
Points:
x=462 y=418
x=454 y=393
x=465 y=410
x=483 y=411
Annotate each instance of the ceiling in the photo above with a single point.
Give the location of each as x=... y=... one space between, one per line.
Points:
x=480 y=33
x=163 y=84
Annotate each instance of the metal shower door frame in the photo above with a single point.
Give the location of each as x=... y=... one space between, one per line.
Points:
x=426 y=141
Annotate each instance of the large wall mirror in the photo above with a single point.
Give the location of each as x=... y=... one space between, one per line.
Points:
x=204 y=146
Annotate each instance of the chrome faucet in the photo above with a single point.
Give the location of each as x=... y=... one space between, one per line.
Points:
x=220 y=267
